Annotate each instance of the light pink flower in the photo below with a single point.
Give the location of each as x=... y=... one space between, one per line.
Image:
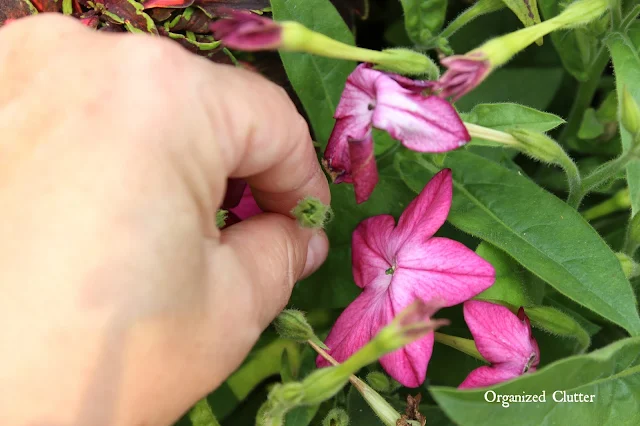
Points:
x=464 y=73
x=397 y=264
x=247 y=31
x=393 y=103
x=502 y=338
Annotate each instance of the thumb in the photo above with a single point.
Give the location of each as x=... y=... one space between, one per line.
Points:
x=273 y=252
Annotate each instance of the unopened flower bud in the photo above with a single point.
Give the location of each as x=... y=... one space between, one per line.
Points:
x=379 y=381
x=630 y=268
x=336 y=417
x=287 y=395
x=538 y=146
x=312 y=213
x=292 y=324
x=630 y=114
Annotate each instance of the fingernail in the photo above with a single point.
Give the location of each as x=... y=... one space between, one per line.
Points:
x=317 y=251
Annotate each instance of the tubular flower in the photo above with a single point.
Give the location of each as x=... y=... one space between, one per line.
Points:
x=398 y=264
x=503 y=339
x=393 y=103
x=247 y=31
x=464 y=73
x=239 y=202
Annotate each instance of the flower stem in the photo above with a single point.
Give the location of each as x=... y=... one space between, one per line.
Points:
x=486 y=133
x=573 y=178
x=584 y=96
x=620 y=201
x=467 y=346
x=602 y=175
x=479 y=8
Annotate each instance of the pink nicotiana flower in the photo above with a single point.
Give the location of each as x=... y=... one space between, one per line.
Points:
x=247 y=31
x=502 y=338
x=239 y=202
x=397 y=264
x=393 y=103
x=464 y=73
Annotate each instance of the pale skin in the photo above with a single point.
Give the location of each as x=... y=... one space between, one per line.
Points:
x=120 y=301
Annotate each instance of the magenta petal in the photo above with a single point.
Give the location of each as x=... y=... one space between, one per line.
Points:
x=488 y=376
x=337 y=155
x=426 y=213
x=247 y=206
x=500 y=336
x=421 y=123
x=408 y=365
x=464 y=73
x=364 y=171
x=441 y=268
x=370 y=255
x=359 y=95
x=357 y=324
x=247 y=31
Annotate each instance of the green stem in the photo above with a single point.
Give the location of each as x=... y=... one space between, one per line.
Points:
x=584 y=96
x=480 y=8
x=632 y=240
x=602 y=175
x=620 y=201
x=573 y=178
x=466 y=346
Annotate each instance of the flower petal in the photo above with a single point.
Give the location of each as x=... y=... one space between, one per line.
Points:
x=337 y=155
x=358 y=97
x=487 y=376
x=464 y=73
x=500 y=336
x=357 y=324
x=426 y=213
x=247 y=206
x=364 y=172
x=247 y=31
x=441 y=268
x=370 y=255
x=421 y=123
x=408 y=365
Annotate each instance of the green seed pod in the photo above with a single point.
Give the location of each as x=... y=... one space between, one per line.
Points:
x=312 y=213
x=379 y=381
x=336 y=417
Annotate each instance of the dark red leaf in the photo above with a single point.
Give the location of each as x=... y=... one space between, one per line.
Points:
x=159 y=15
x=15 y=9
x=47 y=5
x=111 y=27
x=172 y=4
x=127 y=12
x=90 y=19
x=194 y=20
x=214 y=7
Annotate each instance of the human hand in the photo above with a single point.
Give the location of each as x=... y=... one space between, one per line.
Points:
x=122 y=303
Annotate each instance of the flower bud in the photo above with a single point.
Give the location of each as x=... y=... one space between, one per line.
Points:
x=336 y=417
x=323 y=384
x=379 y=381
x=312 y=213
x=287 y=395
x=268 y=416
x=408 y=62
x=221 y=218
x=630 y=114
x=538 y=146
x=630 y=268
x=292 y=324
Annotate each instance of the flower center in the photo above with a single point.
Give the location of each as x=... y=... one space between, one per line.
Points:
x=391 y=270
x=371 y=107
x=527 y=366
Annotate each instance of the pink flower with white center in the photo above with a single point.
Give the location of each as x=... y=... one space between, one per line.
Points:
x=247 y=31
x=397 y=264
x=393 y=103
x=464 y=73
x=502 y=338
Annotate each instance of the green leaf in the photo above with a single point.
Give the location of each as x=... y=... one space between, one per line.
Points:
x=626 y=64
x=576 y=47
x=507 y=116
x=301 y=416
x=612 y=374
x=317 y=81
x=533 y=87
x=509 y=277
x=541 y=232
x=423 y=18
x=525 y=10
x=201 y=414
x=590 y=127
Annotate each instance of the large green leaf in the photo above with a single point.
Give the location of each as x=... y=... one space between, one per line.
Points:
x=576 y=47
x=611 y=374
x=541 y=232
x=534 y=87
x=504 y=116
x=422 y=18
x=318 y=81
x=626 y=62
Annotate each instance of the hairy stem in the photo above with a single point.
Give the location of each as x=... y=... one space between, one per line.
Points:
x=461 y=344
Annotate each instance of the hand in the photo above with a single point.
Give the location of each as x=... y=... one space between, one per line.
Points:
x=121 y=302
